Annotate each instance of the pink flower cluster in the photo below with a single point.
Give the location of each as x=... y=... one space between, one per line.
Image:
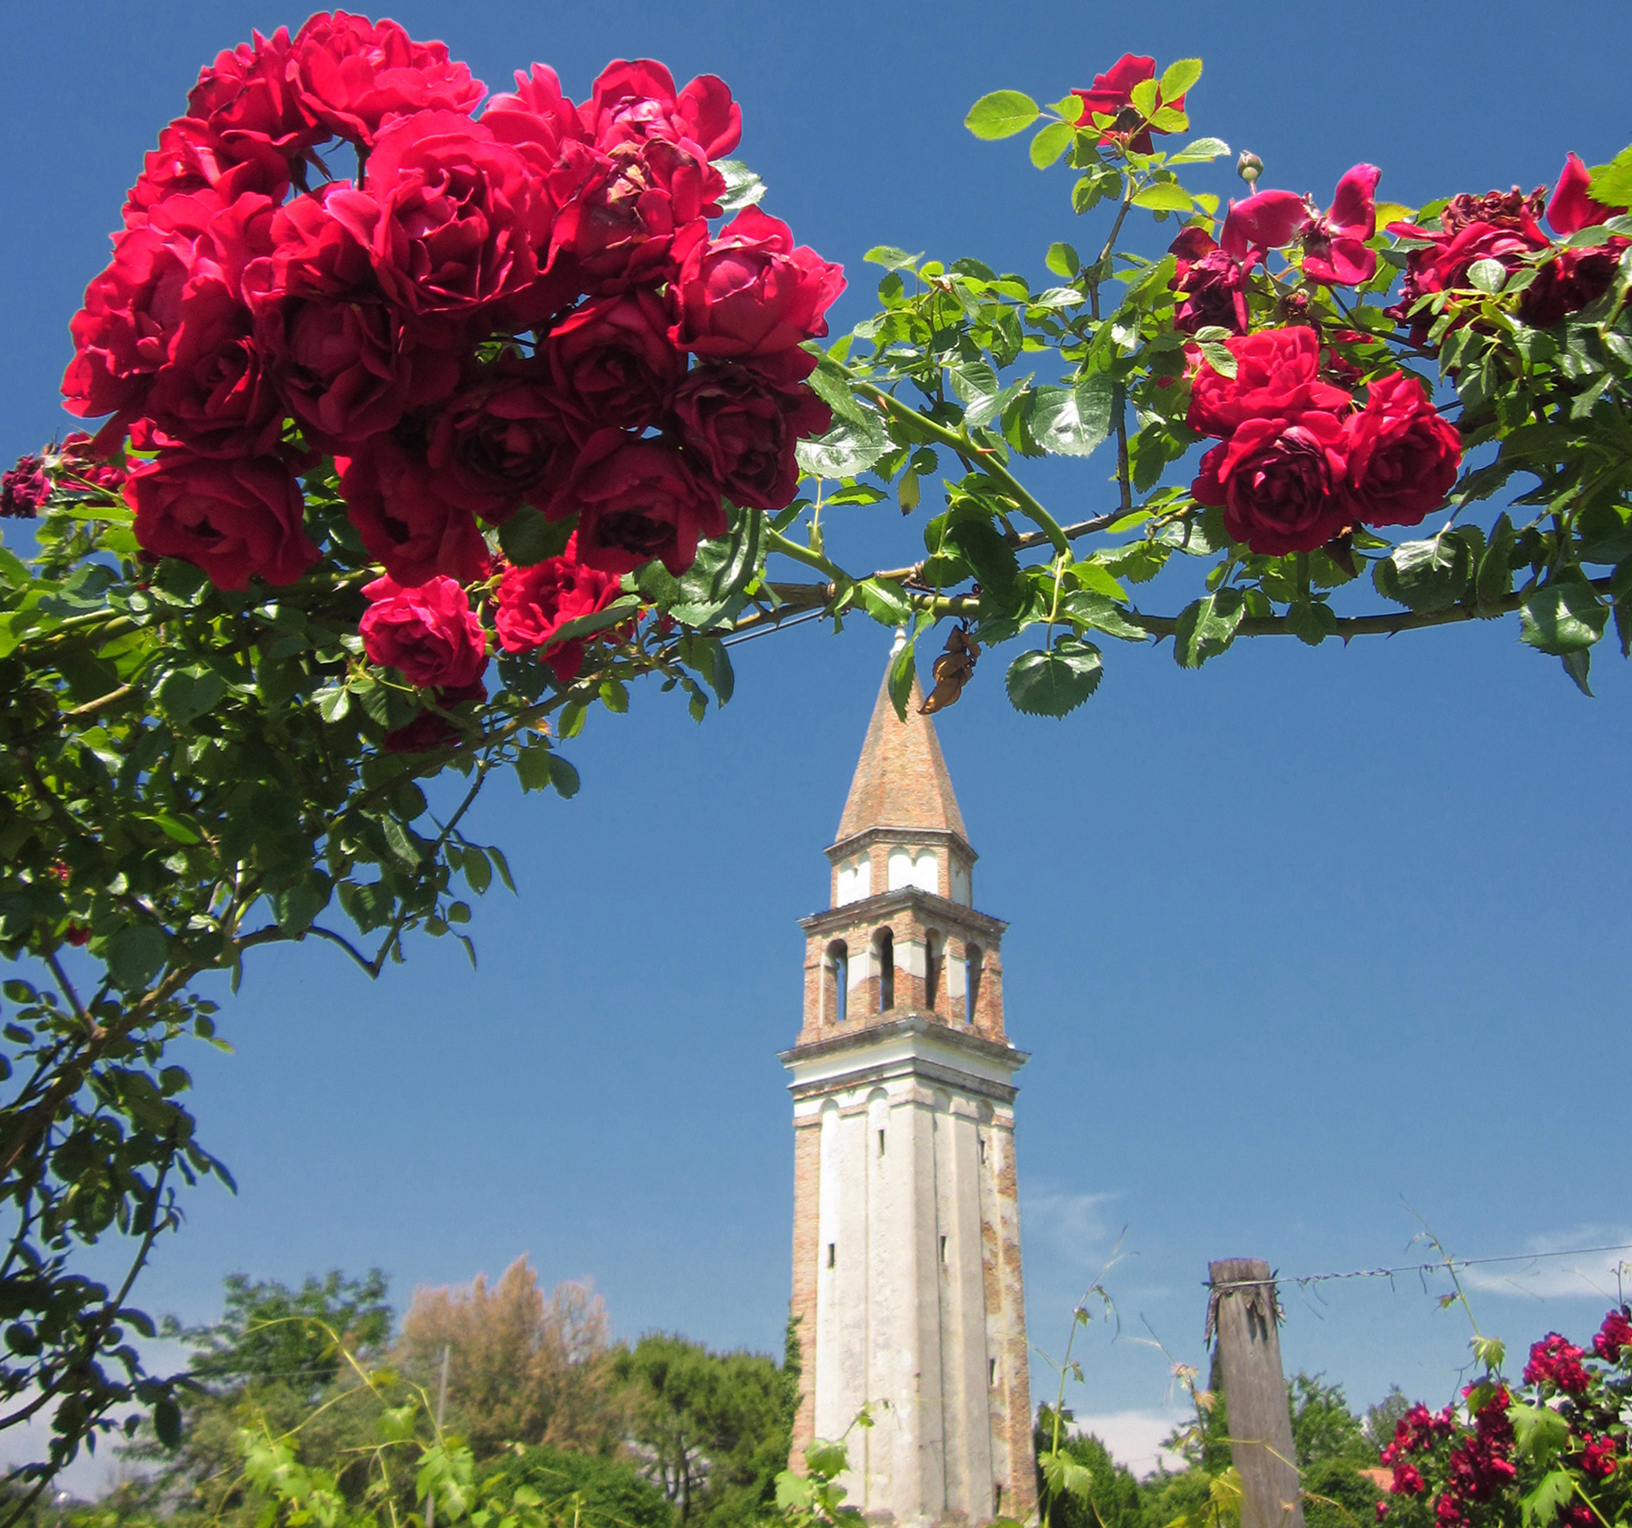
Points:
x=1556 y=1361
x=1301 y=459
x=522 y=307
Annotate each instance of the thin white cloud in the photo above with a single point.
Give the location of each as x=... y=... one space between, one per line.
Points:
x=1584 y=1276
x=1070 y=1222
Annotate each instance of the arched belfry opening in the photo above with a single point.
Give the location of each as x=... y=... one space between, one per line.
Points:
x=904 y=1005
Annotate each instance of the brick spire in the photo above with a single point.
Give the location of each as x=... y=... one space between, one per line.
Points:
x=901 y=780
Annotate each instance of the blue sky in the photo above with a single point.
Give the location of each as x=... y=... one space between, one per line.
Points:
x=1296 y=942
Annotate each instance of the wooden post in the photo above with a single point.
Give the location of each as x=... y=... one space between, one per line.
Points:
x=1242 y=1310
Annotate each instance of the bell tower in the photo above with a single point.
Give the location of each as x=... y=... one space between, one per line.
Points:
x=906 y=1232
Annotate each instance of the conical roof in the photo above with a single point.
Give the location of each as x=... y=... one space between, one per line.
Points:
x=901 y=779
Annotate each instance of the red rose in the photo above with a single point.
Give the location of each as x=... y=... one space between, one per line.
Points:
x=406 y=518
x=1210 y=282
x=1112 y=94
x=535 y=112
x=80 y=468
x=1557 y=1362
x=502 y=441
x=213 y=394
x=23 y=489
x=1498 y=226
x=1598 y=1457
x=537 y=601
x=235 y=519
x=621 y=211
x=636 y=500
x=1266 y=220
x=1403 y=457
x=1280 y=483
x=1574 y=277
x=751 y=295
x=1407 y=1481
x=1614 y=1336
x=611 y=363
x=1276 y=377
x=191 y=157
x=429 y=632
x=352 y=74
x=1334 y=243
x=461 y=215
x=633 y=101
x=743 y=430
x=248 y=101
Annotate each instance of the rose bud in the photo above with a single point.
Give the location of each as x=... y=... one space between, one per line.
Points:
x=1249 y=166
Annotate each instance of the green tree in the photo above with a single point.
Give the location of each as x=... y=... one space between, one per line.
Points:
x=605 y=1490
x=1323 y=1427
x=1382 y=1418
x=713 y=1428
x=1111 y=1498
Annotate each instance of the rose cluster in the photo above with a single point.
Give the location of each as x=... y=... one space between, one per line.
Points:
x=525 y=306
x=70 y=469
x=1506 y=227
x=1301 y=459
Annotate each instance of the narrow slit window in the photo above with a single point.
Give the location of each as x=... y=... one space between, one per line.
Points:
x=974 y=965
x=982 y=1140
x=838 y=975
x=884 y=947
x=943 y=1249
x=991 y=1371
x=830 y=1254
x=881 y=1143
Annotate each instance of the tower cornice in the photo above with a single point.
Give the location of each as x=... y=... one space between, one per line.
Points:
x=895 y=833
x=916 y=1042
x=866 y=909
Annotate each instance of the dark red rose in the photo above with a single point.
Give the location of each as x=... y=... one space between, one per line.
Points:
x=751 y=295
x=352 y=75
x=1615 y=1336
x=743 y=430
x=536 y=118
x=621 y=211
x=1500 y=226
x=1112 y=94
x=1211 y=284
x=235 y=519
x=1407 y=1481
x=462 y=215
x=213 y=394
x=248 y=100
x=633 y=101
x=1334 y=243
x=612 y=364
x=502 y=441
x=636 y=499
x=322 y=245
x=428 y=632
x=430 y=730
x=1277 y=376
x=407 y=519
x=1555 y=1361
x=23 y=489
x=1280 y=483
x=77 y=935
x=536 y=602
x=1573 y=277
x=80 y=468
x=1598 y=1456
x=1403 y=457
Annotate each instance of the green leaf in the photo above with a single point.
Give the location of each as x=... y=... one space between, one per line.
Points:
x=533 y=767
x=1051 y=142
x=1562 y=618
x=1543 y=1504
x=563 y=777
x=1063 y=261
x=1074 y=421
x=1103 y=614
x=1164 y=196
x=1539 y=1431
x=979 y=543
x=1064 y=1475
x=884 y=602
x=622 y=609
x=1056 y=682
x=848 y=449
x=743 y=188
x=528 y=538
x=296 y=906
x=1207 y=626
x=891 y=258
x=1612 y=184
x=188 y=693
x=1180 y=76
x=1311 y=621
x=902 y=672
x=1488 y=275
x=135 y=955
x=1001 y=114
x=1143 y=97
x=1493 y=580
x=1424 y=575
x=1218 y=357
x=1200 y=151
x=167 y=1421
